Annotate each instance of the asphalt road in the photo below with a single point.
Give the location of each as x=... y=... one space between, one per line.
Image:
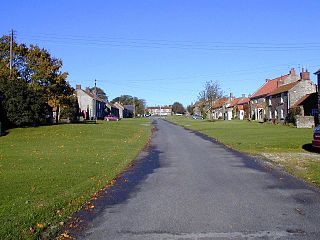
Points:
x=199 y=189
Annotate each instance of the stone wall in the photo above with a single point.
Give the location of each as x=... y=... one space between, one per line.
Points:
x=303 y=88
x=305 y=121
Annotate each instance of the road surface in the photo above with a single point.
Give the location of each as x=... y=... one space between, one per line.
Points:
x=199 y=189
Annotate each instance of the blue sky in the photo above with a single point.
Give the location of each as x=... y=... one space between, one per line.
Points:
x=164 y=51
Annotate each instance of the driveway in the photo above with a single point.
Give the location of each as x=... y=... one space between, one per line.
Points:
x=199 y=189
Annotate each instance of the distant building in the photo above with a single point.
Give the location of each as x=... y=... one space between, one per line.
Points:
x=160 y=110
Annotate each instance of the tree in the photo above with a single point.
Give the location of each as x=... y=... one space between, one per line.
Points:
x=37 y=71
x=22 y=106
x=209 y=95
x=190 y=108
x=139 y=104
x=178 y=108
x=100 y=93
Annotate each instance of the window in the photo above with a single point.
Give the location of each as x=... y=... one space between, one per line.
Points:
x=282 y=115
x=270 y=101
x=281 y=98
x=275 y=114
x=270 y=115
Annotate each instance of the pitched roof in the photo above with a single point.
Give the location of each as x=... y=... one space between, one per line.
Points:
x=233 y=102
x=268 y=87
x=219 y=103
x=243 y=101
x=284 y=88
x=304 y=98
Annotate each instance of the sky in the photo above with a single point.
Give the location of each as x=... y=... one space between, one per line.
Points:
x=165 y=50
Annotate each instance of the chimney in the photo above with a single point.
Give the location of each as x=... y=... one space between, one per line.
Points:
x=267 y=79
x=78 y=86
x=292 y=72
x=305 y=75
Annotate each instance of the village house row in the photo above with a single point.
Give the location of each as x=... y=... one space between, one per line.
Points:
x=276 y=101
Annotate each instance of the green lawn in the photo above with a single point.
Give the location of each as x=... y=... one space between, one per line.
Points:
x=251 y=137
x=47 y=173
x=282 y=145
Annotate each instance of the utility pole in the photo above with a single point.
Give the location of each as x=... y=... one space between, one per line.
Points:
x=11 y=50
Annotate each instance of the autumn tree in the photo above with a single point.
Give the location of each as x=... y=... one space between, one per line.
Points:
x=37 y=71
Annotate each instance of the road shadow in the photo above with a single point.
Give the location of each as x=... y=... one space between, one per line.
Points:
x=122 y=188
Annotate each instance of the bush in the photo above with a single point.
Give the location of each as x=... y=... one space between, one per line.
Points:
x=291 y=117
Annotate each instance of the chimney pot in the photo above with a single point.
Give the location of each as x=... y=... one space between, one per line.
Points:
x=78 y=86
x=292 y=72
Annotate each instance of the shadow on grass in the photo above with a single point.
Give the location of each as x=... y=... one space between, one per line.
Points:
x=308 y=147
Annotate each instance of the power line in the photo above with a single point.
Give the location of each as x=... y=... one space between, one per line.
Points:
x=159 y=44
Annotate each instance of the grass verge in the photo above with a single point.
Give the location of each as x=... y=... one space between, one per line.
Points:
x=47 y=173
x=285 y=146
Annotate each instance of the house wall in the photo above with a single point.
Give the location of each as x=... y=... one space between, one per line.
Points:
x=277 y=105
x=256 y=112
x=229 y=114
x=303 y=88
x=85 y=102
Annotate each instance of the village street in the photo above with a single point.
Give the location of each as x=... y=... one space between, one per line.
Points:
x=202 y=190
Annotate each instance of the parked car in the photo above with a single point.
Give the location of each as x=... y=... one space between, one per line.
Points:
x=111 y=118
x=196 y=117
x=316 y=137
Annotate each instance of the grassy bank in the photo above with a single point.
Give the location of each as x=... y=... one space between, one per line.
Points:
x=282 y=145
x=46 y=173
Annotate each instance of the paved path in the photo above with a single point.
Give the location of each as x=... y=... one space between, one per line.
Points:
x=201 y=190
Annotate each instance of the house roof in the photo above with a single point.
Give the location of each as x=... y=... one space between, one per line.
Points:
x=303 y=99
x=284 y=88
x=268 y=87
x=92 y=95
x=234 y=102
x=219 y=103
x=243 y=101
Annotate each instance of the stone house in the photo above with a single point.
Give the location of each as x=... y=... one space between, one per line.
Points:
x=258 y=106
x=283 y=98
x=90 y=106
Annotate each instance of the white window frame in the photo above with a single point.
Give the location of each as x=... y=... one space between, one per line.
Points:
x=282 y=113
x=281 y=98
x=270 y=101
